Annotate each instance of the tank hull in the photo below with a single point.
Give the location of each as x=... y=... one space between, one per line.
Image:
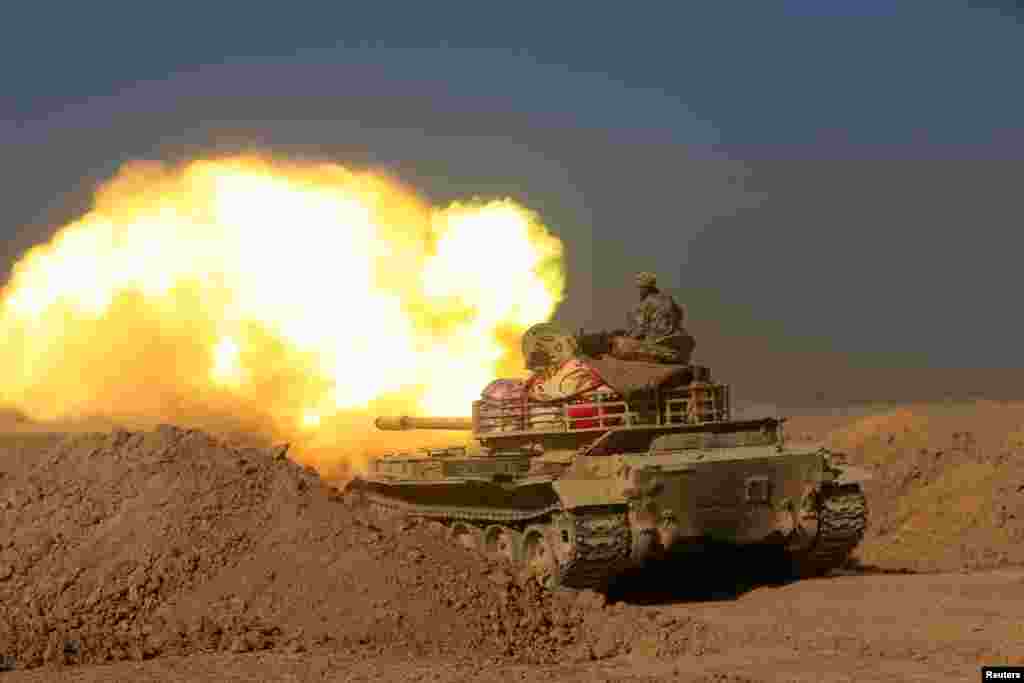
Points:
x=579 y=519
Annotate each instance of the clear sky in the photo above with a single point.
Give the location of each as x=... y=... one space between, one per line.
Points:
x=809 y=176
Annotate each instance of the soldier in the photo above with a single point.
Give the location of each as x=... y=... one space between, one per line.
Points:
x=654 y=327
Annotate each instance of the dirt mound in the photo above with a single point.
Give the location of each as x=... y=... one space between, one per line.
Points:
x=948 y=487
x=137 y=545
x=142 y=545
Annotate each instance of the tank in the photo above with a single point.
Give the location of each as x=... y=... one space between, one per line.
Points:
x=594 y=466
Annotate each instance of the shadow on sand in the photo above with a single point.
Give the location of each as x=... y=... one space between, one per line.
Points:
x=718 y=573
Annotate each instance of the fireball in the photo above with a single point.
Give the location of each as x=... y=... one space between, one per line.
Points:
x=295 y=300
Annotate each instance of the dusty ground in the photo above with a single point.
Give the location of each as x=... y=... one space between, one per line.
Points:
x=948 y=487
x=170 y=555
x=857 y=628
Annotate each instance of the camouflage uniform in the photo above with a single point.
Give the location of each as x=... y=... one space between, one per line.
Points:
x=656 y=323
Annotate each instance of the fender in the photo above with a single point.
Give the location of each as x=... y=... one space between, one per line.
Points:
x=849 y=474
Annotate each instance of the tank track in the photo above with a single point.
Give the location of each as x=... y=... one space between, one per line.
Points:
x=600 y=542
x=842 y=520
x=601 y=548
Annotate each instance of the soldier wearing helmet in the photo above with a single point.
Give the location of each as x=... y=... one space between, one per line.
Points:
x=654 y=328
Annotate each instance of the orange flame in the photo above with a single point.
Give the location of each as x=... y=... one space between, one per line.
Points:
x=296 y=300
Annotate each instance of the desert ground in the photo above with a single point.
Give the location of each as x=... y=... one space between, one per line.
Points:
x=171 y=555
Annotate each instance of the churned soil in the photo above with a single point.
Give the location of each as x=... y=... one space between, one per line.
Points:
x=947 y=491
x=172 y=554
x=132 y=546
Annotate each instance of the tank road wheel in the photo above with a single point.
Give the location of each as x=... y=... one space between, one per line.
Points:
x=540 y=559
x=502 y=542
x=466 y=535
x=842 y=519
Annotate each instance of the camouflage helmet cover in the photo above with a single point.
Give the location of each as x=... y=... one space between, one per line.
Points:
x=646 y=279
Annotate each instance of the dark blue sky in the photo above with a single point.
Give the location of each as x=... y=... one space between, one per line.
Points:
x=839 y=179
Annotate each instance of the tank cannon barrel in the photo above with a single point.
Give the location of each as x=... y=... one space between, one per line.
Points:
x=403 y=423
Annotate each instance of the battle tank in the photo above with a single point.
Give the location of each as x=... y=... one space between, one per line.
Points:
x=597 y=465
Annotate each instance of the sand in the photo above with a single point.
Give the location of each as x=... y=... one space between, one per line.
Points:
x=174 y=555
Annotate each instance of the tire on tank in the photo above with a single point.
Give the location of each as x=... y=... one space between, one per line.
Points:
x=539 y=559
x=503 y=542
x=466 y=535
